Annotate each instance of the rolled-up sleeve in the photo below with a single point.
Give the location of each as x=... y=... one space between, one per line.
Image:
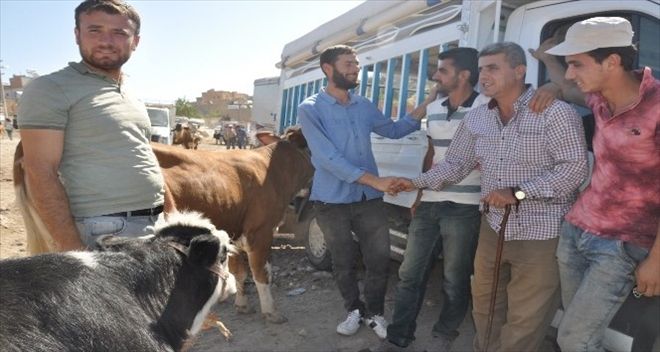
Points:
x=459 y=161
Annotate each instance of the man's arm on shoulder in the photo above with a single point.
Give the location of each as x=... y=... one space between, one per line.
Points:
x=568 y=90
x=408 y=123
x=420 y=111
x=42 y=155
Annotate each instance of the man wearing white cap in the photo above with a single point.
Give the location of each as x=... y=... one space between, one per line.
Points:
x=609 y=243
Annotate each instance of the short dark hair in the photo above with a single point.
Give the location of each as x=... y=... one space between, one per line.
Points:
x=514 y=53
x=464 y=59
x=330 y=55
x=626 y=53
x=111 y=7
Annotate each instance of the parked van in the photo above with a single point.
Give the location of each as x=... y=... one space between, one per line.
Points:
x=161 y=128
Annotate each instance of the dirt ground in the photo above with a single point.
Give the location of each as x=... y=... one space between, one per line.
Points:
x=12 y=231
x=313 y=314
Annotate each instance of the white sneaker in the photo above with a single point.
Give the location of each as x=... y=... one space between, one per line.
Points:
x=351 y=325
x=378 y=324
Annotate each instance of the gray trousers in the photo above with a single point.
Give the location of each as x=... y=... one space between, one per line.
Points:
x=367 y=221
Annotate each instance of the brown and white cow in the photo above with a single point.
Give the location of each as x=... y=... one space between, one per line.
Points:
x=244 y=192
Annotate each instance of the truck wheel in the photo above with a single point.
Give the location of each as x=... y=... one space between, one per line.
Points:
x=317 y=252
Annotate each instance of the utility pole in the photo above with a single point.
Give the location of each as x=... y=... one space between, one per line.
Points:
x=2 y=91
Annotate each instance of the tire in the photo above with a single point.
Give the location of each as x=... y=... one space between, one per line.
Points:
x=315 y=247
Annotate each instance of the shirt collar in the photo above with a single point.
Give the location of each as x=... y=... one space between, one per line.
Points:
x=467 y=103
x=647 y=86
x=85 y=70
x=331 y=100
x=649 y=83
x=522 y=100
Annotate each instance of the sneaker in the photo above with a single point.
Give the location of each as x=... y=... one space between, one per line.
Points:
x=378 y=324
x=351 y=325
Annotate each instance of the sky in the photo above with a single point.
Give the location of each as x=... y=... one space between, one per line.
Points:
x=186 y=47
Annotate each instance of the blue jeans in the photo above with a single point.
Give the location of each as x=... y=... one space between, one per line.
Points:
x=367 y=221
x=597 y=274
x=91 y=228
x=436 y=226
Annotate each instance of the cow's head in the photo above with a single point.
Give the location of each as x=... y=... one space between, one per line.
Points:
x=292 y=134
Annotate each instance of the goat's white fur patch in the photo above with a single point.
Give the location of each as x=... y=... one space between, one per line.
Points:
x=186 y=218
x=193 y=219
x=86 y=258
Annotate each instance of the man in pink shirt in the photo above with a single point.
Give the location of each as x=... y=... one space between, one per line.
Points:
x=609 y=243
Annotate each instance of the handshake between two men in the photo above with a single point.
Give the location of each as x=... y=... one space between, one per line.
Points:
x=393 y=185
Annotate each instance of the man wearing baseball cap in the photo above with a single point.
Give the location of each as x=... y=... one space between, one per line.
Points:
x=609 y=243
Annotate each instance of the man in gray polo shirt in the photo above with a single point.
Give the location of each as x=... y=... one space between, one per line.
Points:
x=89 y=166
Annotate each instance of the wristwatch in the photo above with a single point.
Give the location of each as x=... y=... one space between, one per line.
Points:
x=519 y=193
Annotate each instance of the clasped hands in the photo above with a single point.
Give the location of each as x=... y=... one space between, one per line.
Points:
x=393 y=185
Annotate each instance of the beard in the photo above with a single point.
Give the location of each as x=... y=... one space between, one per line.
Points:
x=104 y=63
x=342 y=82
x=449 y=87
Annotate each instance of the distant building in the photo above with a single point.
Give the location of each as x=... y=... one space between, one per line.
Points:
x=225 y=105
x=18 y=82
x=266 y=102
x=14 y=90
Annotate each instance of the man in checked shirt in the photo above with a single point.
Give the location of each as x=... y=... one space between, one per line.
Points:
x=533 y=162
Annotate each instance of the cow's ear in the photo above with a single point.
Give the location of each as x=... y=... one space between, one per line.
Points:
x=204 y=250
x=267 y=137
x=296 y=137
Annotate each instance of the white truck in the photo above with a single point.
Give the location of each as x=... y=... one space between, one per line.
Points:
x=398 y=44
x=161 y=124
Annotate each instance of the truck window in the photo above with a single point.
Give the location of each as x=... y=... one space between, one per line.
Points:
x=158 y=117
x=649 y=50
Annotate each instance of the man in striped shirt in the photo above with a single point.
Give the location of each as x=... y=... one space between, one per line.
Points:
x=533 y=162
x=446 y=220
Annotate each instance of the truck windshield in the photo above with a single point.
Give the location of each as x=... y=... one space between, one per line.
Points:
x=158 y=117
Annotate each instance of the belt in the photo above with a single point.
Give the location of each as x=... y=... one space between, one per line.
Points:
x=142 y=212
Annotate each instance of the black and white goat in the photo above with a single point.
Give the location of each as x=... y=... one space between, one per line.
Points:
x=146 y=294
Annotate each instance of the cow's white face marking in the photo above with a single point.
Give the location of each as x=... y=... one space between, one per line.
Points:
x=86 y=258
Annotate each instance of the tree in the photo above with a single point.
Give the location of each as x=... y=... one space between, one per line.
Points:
x=185 y=108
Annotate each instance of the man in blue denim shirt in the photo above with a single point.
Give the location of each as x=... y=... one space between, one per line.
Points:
x=347 y=190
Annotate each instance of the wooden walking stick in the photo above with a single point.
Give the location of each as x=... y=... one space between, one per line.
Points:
x=496 y=273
